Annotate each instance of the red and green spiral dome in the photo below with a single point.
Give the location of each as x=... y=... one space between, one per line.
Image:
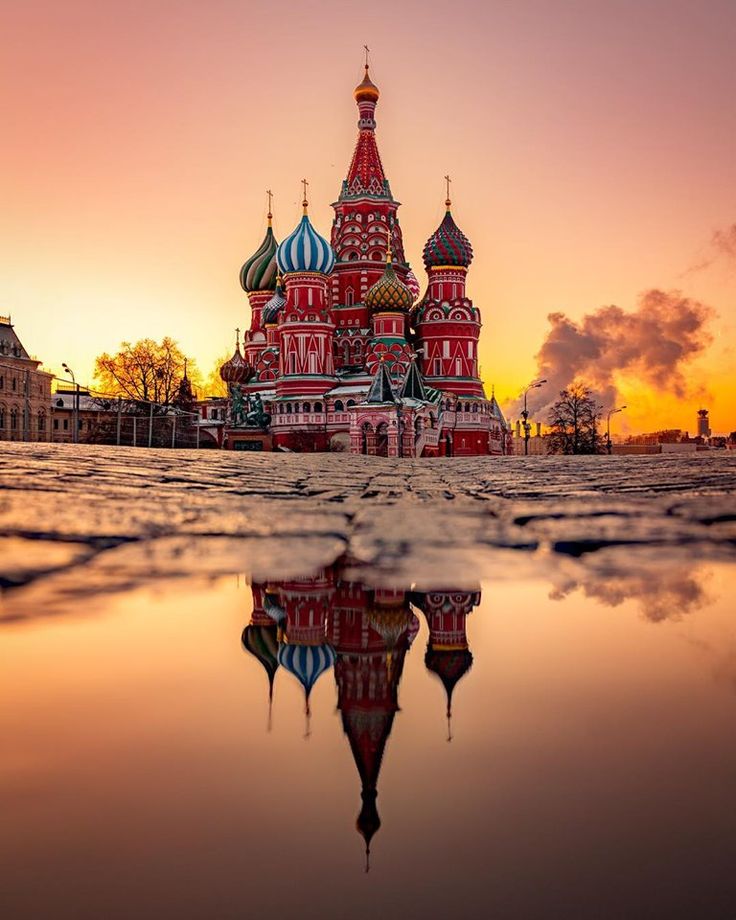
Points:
x=448 y=245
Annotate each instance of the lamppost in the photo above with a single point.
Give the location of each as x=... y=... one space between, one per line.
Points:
x=608 y=427
x=75 y=416
x=525 y=414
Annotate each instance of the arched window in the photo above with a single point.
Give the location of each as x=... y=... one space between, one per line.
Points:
x=318 y=407
x=351 y=402
x=339 y=407
x=346 y=352
x=307 y=407
x=2 y=417
x=288 y=408
x=13 y=418
x=349 y=297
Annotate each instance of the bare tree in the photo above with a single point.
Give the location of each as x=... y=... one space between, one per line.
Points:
x=145 y=371
x=573 y=422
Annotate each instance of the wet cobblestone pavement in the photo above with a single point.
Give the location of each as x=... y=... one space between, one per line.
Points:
x=87 y=520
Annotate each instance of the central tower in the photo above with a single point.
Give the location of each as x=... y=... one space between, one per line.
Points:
x=365 y=228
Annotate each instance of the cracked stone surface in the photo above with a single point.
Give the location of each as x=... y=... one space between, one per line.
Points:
x=85 y=520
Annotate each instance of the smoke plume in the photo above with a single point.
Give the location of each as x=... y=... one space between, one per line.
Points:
x=653 y=342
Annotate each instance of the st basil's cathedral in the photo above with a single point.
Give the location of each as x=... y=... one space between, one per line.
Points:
x=342 y=352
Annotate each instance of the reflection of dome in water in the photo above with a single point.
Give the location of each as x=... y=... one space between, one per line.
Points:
x=449 y=665
x=261 y=642
x=392 y=624
x=306 y=662
x=273 y=608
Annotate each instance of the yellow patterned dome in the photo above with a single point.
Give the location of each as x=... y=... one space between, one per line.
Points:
x=389 y=293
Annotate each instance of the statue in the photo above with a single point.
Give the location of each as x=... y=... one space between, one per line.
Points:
x=237 y=408
x=248 y=411
x=257 y=417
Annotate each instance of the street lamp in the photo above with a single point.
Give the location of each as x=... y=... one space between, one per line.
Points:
x=75 y=416
x=525 y=414
x=608 y=426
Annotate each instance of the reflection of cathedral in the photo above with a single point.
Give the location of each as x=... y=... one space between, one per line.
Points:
x=342 y=351
x=310 y=626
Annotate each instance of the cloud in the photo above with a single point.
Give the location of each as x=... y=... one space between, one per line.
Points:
x=722 y=245
x=655 y=342
x=660 y=597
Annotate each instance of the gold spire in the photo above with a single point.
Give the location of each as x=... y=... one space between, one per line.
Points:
x=305 y=203
x=237 y=337
x=270 y=198
x=448 y=180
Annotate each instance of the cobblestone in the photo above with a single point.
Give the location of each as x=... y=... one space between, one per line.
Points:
x=95 y=519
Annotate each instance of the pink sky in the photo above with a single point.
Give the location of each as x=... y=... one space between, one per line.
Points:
x=591 y=146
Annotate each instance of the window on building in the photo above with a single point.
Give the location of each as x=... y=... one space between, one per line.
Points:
x=288 y=408
x=307 y=407
x=458 y=367
x=318 y=407
x=41 y=421
x=2 y=417
x=14 y=384
x=437 y=367
x=2 y=382
x=349 y=298
x=351 y=402
x=13 y=419
x=339 y=407
x=66 y=424
x=56 y=424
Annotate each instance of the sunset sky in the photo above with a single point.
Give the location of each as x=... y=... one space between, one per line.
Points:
x=592 y=145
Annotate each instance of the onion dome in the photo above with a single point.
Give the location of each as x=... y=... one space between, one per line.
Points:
x=366 y=90
x=237 y=369
x=449 y=665
x=368 y=822
x=307 y=663
x=412 y=283
x=275 y=305
x=304 y=250
x=259 y=272
x=389 y=293
x=273 y=608
x=448 y=245
x=262 y=643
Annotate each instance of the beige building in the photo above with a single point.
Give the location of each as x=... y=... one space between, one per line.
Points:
x=25 y=390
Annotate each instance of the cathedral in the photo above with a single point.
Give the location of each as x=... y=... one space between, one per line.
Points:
x=342 y=352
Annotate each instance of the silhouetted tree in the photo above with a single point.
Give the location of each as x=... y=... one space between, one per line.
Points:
x=573 y=422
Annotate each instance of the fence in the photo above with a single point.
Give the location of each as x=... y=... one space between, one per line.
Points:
x=30 y=412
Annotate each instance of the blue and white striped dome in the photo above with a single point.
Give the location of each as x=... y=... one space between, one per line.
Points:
x=306 y=662
x=305 y=250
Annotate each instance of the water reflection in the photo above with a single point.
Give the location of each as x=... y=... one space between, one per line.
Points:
x=332 y=623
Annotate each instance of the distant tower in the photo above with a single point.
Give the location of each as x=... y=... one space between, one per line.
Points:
x=703 y=424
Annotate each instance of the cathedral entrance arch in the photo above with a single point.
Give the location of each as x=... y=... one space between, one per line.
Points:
x=382 y=440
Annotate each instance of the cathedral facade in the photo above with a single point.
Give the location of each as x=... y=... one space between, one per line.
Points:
x=342 y=352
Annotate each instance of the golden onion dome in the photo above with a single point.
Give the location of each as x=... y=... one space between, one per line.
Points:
x=366 y=90
x=389 y=293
